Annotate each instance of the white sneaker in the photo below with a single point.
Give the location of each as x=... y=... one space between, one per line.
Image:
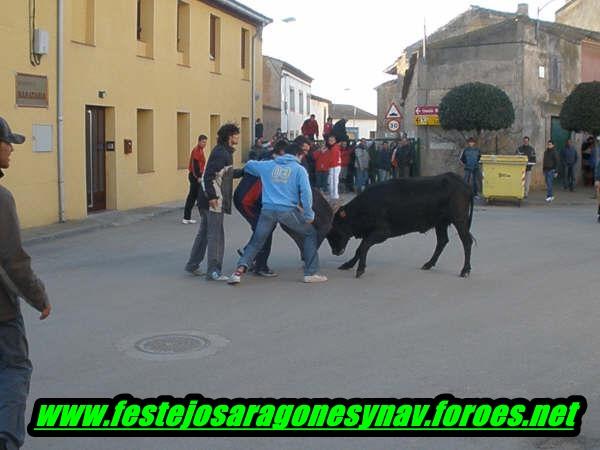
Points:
x=216 y=276
x=235 y=278
x=551 y=199
x=548 y=199
x=188 y=222
x=315 y=278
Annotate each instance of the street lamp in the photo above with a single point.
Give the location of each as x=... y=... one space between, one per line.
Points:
x=539 y=10
x=354 y=119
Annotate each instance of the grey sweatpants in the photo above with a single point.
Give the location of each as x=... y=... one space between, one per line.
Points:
x=200 y=243
x=216 y=242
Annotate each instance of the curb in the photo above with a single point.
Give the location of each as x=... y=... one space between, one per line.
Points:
x=97 y=225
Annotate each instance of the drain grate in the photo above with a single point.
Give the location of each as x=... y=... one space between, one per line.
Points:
x=171 y=344
x=177 y=345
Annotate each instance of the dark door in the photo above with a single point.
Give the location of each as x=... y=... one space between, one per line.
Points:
x=95 y=156
x=560 y=136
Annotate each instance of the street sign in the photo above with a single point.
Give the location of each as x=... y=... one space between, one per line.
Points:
x=427 y=115
x=427 y=120
x=393 y=125
x=393 y=112
x=427 y=110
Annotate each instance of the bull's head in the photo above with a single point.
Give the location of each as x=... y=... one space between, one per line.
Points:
x=340 y=233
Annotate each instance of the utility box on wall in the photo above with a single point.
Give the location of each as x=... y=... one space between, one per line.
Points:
x=41 y=42
x=42 y=138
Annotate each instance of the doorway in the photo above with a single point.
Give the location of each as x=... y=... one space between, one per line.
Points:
x=95 y=158
x=559 y=137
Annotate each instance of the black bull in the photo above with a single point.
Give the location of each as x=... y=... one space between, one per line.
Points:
x=403 y=206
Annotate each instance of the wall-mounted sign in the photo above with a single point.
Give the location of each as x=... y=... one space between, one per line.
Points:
x=427 y=115
x=31 y=91
x=393 y=125
x=393 y=112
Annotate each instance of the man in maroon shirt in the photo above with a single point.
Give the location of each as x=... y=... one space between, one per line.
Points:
x=195 y=169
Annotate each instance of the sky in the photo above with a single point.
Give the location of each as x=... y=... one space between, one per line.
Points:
x=346 y=45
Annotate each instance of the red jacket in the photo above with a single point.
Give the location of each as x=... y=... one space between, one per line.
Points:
x=197 y=162
x=335 y=156
x=346 y=156
x=321 y=161
x=310 y=128
x=327 y=128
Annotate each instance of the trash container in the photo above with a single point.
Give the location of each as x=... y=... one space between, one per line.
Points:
x=503 y=177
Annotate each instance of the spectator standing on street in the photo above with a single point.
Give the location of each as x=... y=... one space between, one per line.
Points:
x=529 y=151
x=550 y=167
x=404 y=158
x=327 y=128
x=361 y=165
x=470 y=157
x=218 y=186
x=334 y=161
x=346 y=155
x=310 y=128
x=286 y=199
x=259 y=130
x=321 y=157
x=17 y=280
x=257 y=151
x=384 y=163
x=373 y=157
x=195 y=171
x=569 y=158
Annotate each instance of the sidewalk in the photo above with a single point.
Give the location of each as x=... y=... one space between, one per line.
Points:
x=96 y=221
x=583 y=196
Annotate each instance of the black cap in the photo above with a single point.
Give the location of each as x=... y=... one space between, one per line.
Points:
x=8 y=136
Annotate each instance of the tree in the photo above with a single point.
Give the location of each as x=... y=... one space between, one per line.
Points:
x=581 y=110
x=476 y=107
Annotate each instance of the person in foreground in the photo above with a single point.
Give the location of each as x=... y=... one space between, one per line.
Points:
x=286 y=199
x=16 y=280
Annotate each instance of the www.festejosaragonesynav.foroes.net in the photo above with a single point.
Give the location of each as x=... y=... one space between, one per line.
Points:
x=195 y=415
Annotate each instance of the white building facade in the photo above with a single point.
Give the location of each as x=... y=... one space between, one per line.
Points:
x=295 y=103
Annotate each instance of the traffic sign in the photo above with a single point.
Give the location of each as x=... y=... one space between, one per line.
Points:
x=393 y=112
x=393 y=125
x=427 y=110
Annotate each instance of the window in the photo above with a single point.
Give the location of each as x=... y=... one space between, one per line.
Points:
x=554 y=75
x=145 y=27
x=215 y=124
x=244 y=44
x=246 y=138
x=145 y=140
x=301 y=102
x=215 y=43
x=82 y=19
x=183 y=140
x=292 y=100
x=183 y=31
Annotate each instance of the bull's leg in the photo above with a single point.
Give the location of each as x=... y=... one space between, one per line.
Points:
x=467 y=241
x=441 y=232
x=351 y=263
x=372 y=239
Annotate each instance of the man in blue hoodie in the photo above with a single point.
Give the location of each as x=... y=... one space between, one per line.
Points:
x=286 y=199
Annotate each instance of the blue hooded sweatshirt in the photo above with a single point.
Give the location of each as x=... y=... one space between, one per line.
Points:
x=284 y=184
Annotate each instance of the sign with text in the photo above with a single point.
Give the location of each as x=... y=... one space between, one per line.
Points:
x=31 y=91
x=427 y=116
x=427 y=110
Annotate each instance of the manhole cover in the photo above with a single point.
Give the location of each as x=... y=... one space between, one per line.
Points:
x=177 y=345
x=171 y=344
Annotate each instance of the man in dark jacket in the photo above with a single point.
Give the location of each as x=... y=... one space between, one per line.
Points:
x=17 y=280
x=569 y=158
x=218 y=186
x=529 y=151
x=384 y=163
x=470 y=157
x=550 y=166
x=404 y=158
x=259 y=129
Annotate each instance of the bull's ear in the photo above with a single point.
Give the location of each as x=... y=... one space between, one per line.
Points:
x=343 y=214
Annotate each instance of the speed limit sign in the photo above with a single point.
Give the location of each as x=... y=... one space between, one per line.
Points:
x=393 y=125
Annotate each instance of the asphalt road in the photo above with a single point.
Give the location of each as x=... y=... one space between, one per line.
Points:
x=525 y=324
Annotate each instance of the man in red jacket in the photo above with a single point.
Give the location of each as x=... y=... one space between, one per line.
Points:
x=310 y=128
x=195 y=171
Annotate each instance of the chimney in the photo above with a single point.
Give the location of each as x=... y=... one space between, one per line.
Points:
x=523 y=9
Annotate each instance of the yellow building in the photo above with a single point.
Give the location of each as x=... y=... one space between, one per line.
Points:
x=141 y=80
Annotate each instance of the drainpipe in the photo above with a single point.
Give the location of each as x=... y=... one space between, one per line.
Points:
x=59 y=110
x=253 y=90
